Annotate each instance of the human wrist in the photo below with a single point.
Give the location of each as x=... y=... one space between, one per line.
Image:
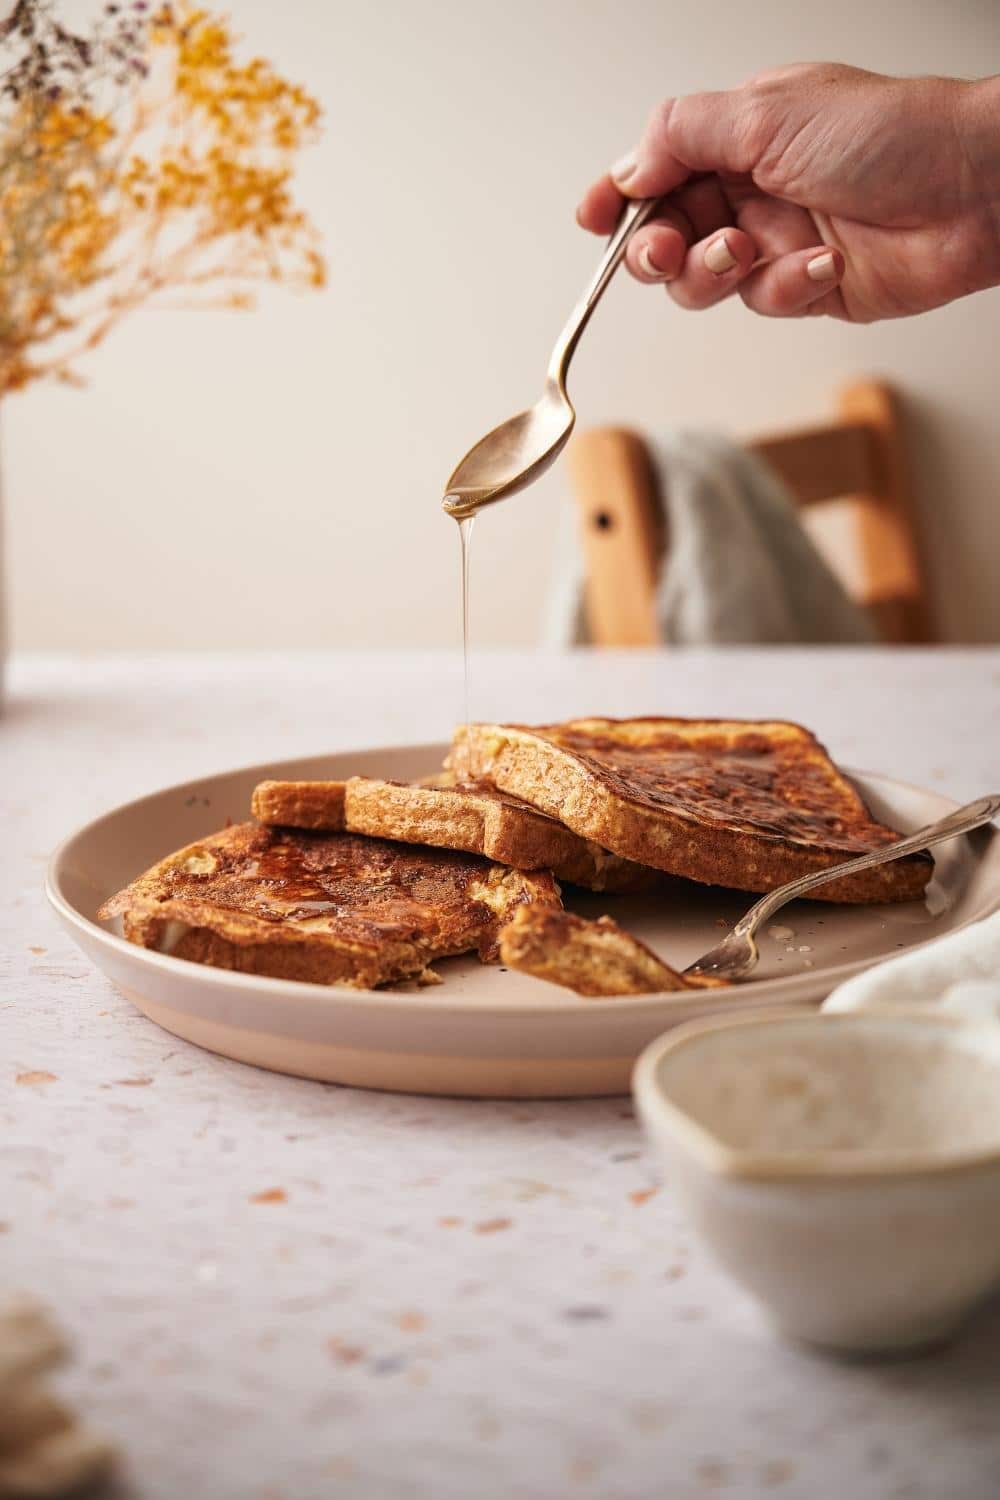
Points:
x=978 y=127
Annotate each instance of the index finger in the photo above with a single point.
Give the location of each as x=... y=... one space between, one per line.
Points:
x=600 y=207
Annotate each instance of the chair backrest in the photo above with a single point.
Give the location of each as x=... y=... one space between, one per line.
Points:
x=849 y=476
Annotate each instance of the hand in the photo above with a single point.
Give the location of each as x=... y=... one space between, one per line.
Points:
x=819 y=189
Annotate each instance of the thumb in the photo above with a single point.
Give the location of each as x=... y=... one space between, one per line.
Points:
x=717 y=132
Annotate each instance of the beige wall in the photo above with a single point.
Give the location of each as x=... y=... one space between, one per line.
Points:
x=273 y=479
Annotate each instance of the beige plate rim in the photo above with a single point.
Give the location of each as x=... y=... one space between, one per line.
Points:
x=543 y=1008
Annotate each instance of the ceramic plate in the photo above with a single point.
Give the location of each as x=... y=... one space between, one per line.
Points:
x=485 y=1031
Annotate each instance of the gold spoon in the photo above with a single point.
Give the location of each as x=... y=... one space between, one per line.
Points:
x=522 y=448
x=736 y=955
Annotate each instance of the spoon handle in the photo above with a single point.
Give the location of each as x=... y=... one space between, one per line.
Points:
x=962 y=820
x=634 y=215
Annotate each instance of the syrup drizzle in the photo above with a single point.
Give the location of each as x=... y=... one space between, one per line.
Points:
x=465 y=526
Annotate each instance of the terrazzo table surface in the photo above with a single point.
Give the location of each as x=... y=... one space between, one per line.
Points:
x=285 y=1289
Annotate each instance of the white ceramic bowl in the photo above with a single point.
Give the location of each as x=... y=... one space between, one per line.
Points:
x=845 y=1169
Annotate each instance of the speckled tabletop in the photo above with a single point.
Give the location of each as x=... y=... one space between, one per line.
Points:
x=286 y=1289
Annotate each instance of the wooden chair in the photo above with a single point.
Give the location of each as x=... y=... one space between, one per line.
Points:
x=850 y=476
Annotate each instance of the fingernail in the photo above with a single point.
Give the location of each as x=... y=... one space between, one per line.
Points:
x=822 y=267
x=718 y=256
x=648 y=264
x=624 y=167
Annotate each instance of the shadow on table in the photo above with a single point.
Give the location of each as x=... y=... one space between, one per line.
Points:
x=971 y=1361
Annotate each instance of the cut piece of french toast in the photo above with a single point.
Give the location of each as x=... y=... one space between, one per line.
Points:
x=736 y=803
x=592 y=958
x=449 y=814
x=331 y=908
x=318 y=805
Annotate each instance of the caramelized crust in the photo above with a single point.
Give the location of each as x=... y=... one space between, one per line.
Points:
x=333 y=908
x=726 y=802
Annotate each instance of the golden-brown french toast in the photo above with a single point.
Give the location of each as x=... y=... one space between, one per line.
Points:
x=333 y=908
x=736 y=803
x=592 y=958
x=300 y=804
x=473 y=817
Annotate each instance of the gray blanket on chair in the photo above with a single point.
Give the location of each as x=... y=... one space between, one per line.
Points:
x=740 y=569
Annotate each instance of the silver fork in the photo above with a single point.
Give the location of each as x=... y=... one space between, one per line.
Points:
x=737 y=954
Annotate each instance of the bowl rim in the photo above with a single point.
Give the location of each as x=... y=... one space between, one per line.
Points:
x=816 y=1166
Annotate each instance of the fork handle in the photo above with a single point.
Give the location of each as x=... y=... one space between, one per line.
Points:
x=962 y=820
x=635 y=213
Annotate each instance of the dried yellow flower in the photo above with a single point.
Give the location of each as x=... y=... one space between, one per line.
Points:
x=184 y=187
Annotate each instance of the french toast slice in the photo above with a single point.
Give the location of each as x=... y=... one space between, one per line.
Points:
x=592 y=958
x=735 y=803
x=331 y=908
x=449 y=814
x=318 y=805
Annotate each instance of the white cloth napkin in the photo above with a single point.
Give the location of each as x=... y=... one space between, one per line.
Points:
x=740 y=568
x=959 y=974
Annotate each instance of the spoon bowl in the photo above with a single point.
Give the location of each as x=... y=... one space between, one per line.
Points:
x=513 y=455
x=517 y=452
